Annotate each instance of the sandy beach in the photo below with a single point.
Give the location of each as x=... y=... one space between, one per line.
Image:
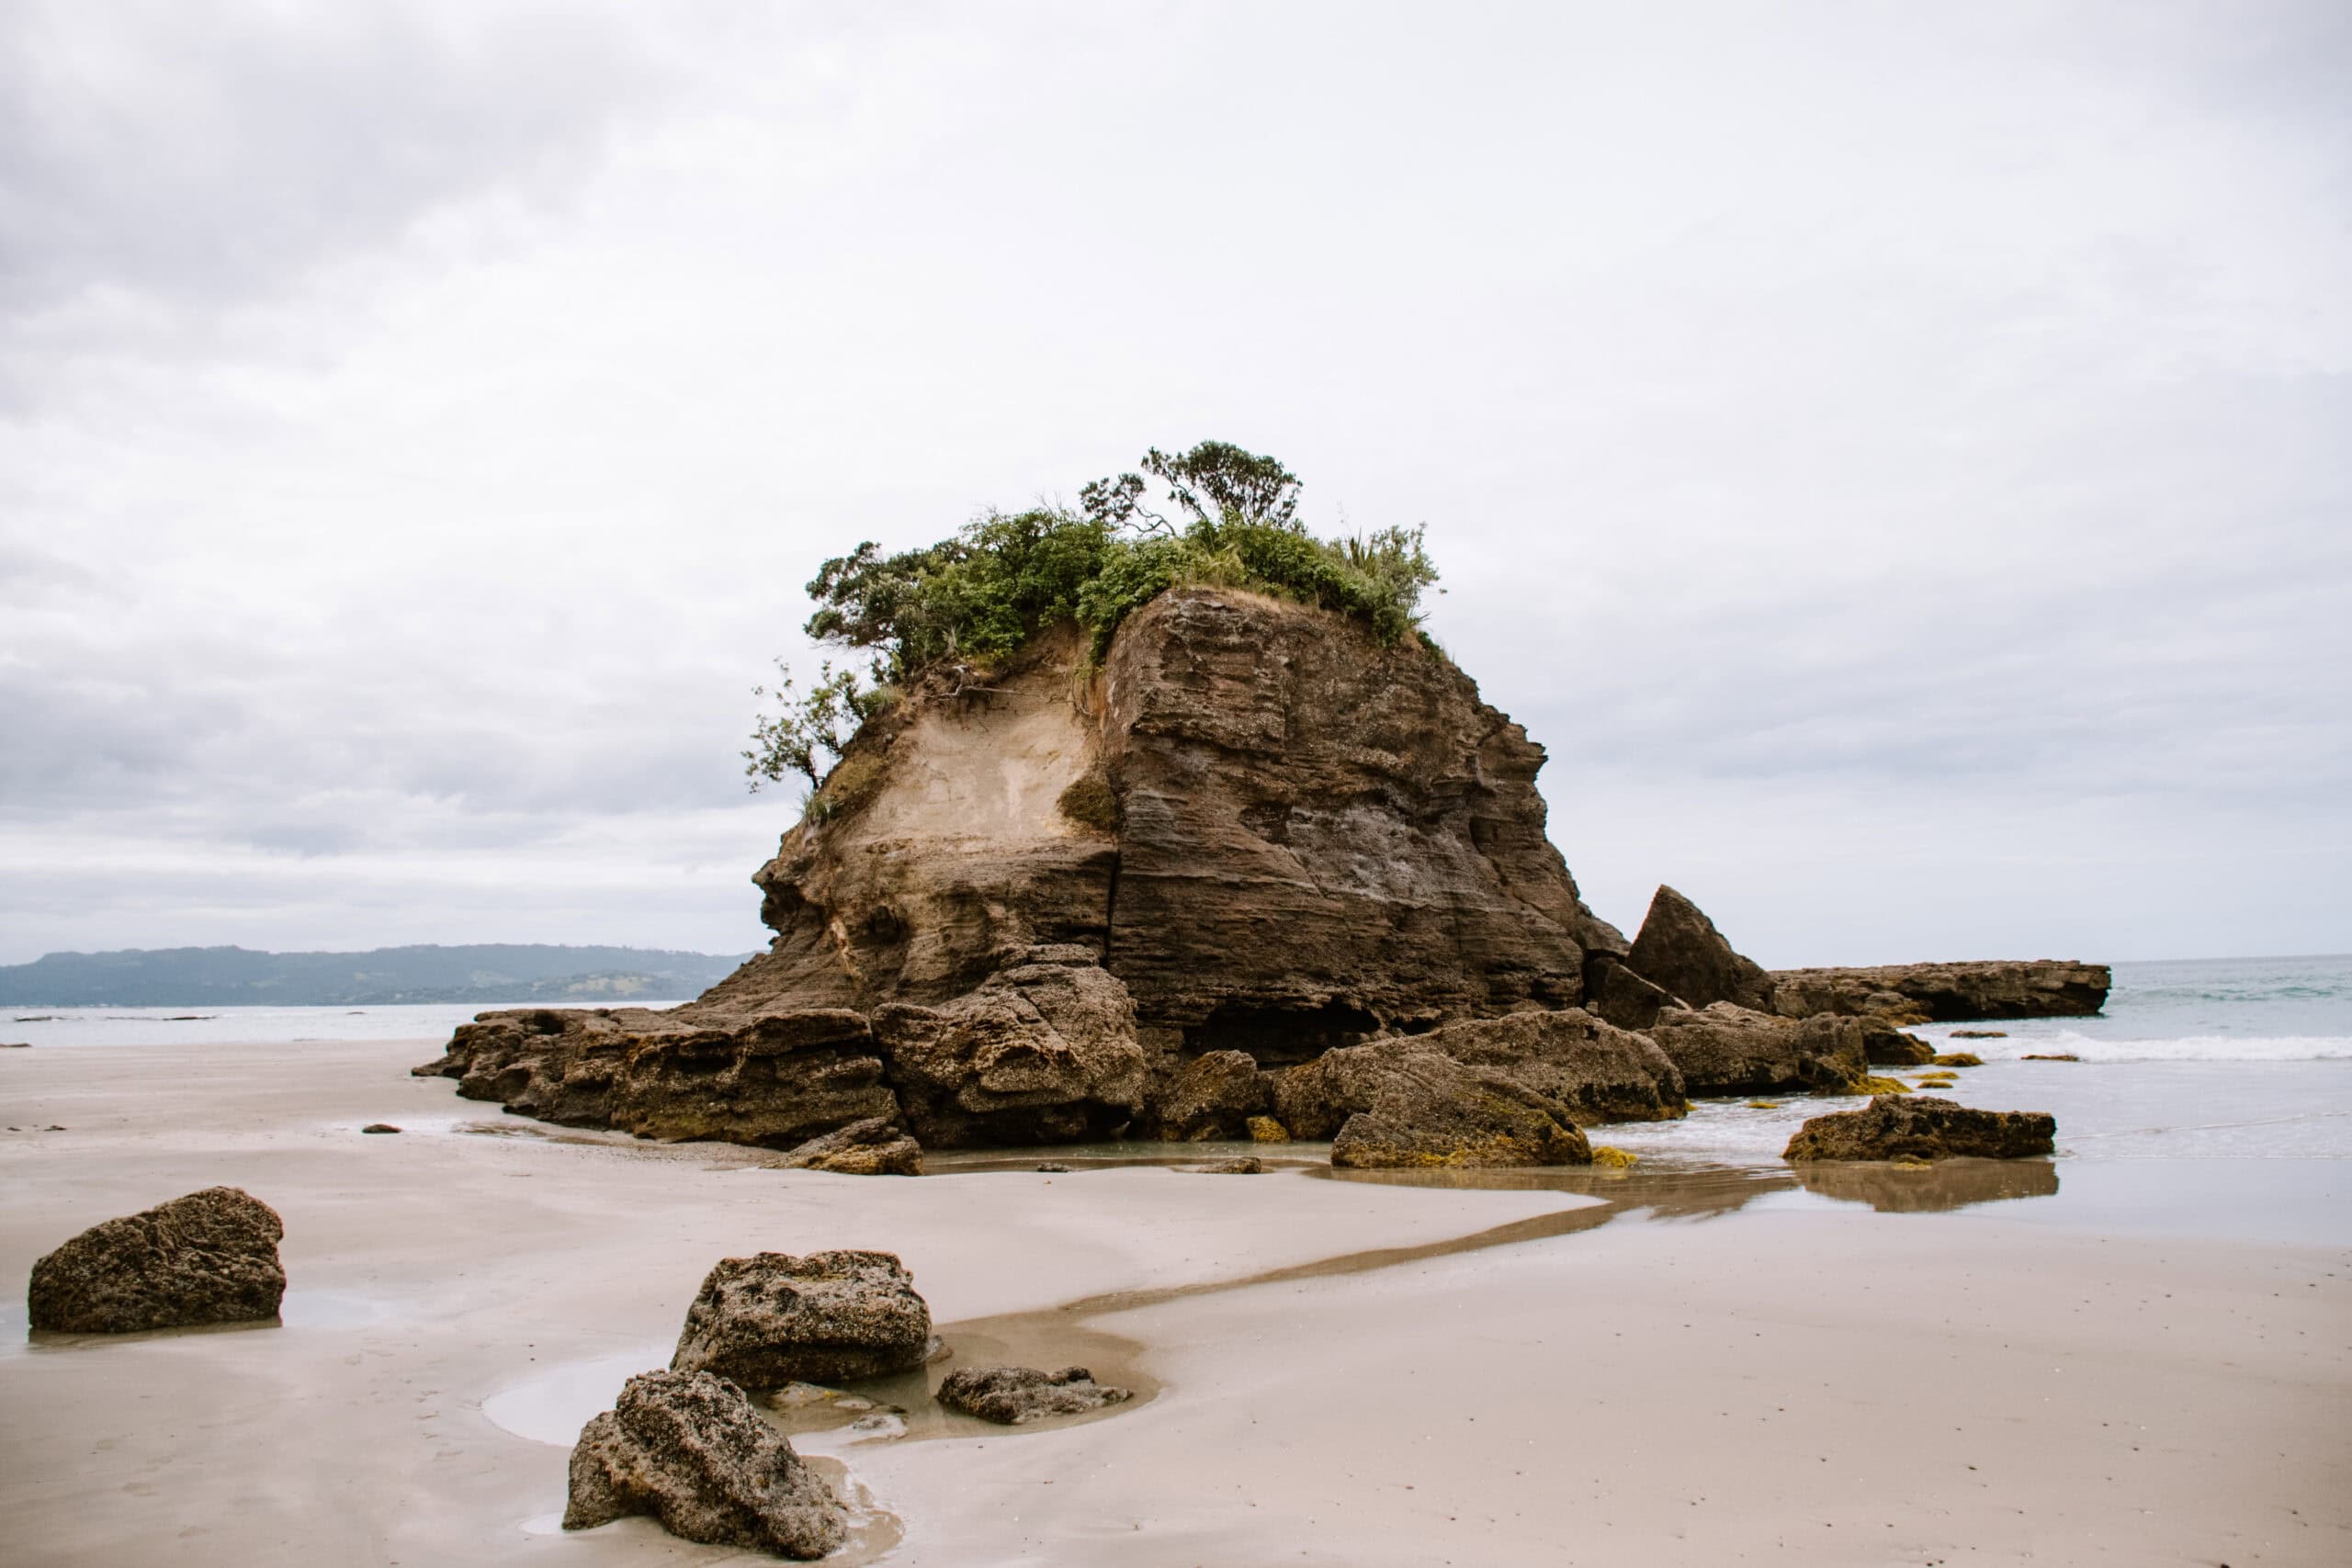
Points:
x=1701 y=1366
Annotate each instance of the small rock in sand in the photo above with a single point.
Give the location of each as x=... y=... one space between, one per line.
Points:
x=379 y=1127
x=210 y=1257
x=1011 y=1395
x=773 y=1319
x=1247 y=1165
x=689 y=1449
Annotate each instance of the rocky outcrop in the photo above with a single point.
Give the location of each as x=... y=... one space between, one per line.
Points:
x=1594 y=1071
x=876 y=1146
x=1947 y=993
x=1056 y=900
x=1679 y=951
x=1728 y=1049
x=1884 y=1045
x=1410 y=1109
x=772 y=1319
x=1042 y=1052
x=1014 y=1395
x=1923 y=1127
x=689 y=1449
x=210 y=1257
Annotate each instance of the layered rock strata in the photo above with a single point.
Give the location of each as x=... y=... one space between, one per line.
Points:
x=1947 y=993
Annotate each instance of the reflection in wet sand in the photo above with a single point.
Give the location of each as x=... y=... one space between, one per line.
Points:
x=1920 y=1189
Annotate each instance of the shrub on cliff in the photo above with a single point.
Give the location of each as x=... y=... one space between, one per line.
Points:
x=1215 y=514
x=1006 y=576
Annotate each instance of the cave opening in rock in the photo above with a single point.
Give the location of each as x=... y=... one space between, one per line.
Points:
x=1280 y=1037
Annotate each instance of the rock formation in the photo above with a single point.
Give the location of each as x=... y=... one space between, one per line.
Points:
x=1679 y=951
x=1947 y=993
x=1728 y=1049
x=1012 y=1396
x=774 y=1319
x=210 y=1257
x=1057 y=901
x=689 y=1449
x=1923 y=1127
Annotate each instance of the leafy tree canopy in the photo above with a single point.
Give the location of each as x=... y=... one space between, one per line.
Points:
x=1215 y=514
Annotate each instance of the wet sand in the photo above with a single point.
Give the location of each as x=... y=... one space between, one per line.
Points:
x=1706 y=1368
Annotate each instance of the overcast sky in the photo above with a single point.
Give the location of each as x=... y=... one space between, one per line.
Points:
x=1898 y=457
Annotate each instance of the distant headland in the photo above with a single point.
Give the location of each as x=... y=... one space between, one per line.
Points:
x=237 y=977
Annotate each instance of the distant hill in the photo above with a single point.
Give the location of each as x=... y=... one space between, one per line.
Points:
x=236 y=977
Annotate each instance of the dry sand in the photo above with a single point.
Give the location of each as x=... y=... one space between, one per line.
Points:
x=1417 y=1376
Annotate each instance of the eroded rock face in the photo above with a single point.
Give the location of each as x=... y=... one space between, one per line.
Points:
x=1728 y=1049
x=689 y=1449
x=1011 y=1396
x=1949 y=993
x=1884 y=1045
x=1679 y=951
x=772 y=1319
x=1922 y=1126
x=210 y=1257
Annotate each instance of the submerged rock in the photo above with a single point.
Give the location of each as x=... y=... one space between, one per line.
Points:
x=1011 y=1395
x=1980 y=1034
x=1959 y=1059
x=1728 y=1049
x=689 y=1449
x=876 y=1146
x=1679 y=951
x=1922 y=1127
x=772 y=1319
x=210 y=1257
x=1245 y=1164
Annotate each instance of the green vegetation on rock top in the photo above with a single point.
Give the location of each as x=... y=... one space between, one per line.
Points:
x=1214 y=514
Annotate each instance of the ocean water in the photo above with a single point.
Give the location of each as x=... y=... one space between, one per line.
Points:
x=2213 y=1097
x=213 y=1026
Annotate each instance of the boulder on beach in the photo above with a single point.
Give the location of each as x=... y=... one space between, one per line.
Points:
x=876 y=1145
x=1596 y=1071
x=1244 y=1165
x=1011 y=1396
x=1615 y=993
x=1215 y=1095
x=1728 y=1049
x=689 y=1449
x=210 y=1257
x=772 y=1319
x=1423 y=1109
x=1923 y=1127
